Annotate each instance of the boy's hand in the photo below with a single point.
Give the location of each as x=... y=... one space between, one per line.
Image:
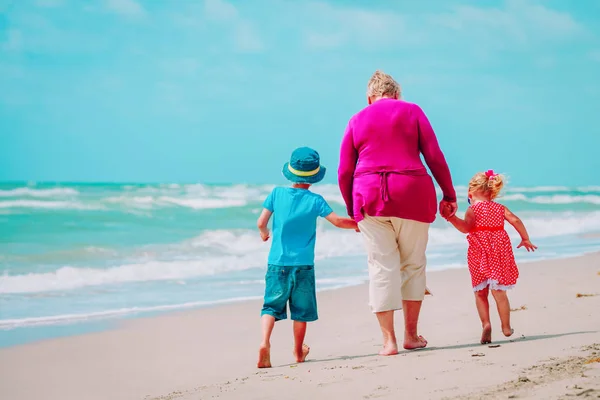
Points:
x=527 y=244
x=265 y=235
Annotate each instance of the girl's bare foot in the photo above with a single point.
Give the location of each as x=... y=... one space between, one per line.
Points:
x=264 y=357
x=486 y=335
x=416 y=343
x=508 y=331
x=302 y=357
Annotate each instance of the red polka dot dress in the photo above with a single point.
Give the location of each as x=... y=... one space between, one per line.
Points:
x=490 y=255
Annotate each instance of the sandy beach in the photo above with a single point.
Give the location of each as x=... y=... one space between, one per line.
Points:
x=211 y=353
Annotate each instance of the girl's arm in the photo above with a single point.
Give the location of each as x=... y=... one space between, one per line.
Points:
x=340 y=222
x=262 y=222
x=464 y=225
x=520 y=227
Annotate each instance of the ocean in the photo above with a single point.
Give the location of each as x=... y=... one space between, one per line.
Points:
x=80 y=257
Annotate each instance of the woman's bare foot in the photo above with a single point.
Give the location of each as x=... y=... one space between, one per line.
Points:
x=264 y=357
x=389 y=349
x=508 y=331
x=412 y=344
x=305 y=351
x=486 y=335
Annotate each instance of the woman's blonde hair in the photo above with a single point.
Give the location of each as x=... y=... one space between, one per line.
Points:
x=487 y=182
x=383 y=85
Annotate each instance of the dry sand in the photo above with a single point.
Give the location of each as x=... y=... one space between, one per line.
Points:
x=211 y=353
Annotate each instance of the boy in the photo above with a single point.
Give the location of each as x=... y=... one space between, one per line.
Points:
x=290 y=276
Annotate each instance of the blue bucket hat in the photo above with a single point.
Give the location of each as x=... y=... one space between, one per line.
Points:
x=304 y=166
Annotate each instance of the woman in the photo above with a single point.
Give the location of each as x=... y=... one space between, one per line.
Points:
x=389 y=193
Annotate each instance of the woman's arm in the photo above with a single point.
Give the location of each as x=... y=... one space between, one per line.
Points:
x=464 y=225
x=348 y=158
x=520 y=227
x=430 y=148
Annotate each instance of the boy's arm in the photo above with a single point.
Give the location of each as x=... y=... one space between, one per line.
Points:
x=340 y=222
x=520 y=227
x=463 y=225
x=262 y=223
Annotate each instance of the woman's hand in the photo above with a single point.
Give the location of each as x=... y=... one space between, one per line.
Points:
x=448 y=209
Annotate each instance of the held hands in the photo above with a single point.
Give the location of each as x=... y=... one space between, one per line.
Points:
x=448 y=209
x=527 y=244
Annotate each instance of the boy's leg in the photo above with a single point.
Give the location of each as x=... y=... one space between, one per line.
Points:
x=503 y=310
x=300 y=349
x=483 y=308
x=303 y=307
x=264 y=353
x=274 y=309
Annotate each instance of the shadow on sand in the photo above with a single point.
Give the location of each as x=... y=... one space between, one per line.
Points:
x=454 y=347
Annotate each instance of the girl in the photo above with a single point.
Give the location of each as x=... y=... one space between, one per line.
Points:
x=490 y=255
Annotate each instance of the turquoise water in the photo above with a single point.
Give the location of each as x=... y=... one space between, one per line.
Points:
x=78 y=257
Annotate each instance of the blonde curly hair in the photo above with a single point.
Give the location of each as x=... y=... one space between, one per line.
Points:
x=487 y=182
x=383 y=85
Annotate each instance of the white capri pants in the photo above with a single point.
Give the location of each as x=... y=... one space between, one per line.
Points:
x=396 y=257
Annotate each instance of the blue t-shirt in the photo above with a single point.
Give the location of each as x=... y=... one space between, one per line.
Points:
x=295 y=213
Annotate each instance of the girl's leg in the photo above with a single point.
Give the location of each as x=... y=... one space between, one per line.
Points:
x=483 y=308
x=503 y=310
x=300 y=349
x=264 y=354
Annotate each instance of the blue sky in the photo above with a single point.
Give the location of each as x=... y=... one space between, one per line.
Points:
x=223 y=91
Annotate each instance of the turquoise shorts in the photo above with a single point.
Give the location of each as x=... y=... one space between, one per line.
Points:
x=295 y=285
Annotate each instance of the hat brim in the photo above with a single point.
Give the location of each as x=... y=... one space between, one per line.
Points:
x=318 y=177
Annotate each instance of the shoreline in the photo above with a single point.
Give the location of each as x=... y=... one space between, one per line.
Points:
x=205 y=352
x=114 y=317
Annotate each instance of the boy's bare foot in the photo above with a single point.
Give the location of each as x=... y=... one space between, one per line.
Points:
x=305 y=351
x=486 y=335
x=264 y=357
x=508 y=331
x=412 y=344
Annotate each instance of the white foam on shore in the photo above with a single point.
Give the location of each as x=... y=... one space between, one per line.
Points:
x=43 y=204
x=7 y=324
x=204 y=197
x=30 y=192
x=225 y=251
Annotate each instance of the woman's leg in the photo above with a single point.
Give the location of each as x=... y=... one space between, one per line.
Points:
x=483 y=308
x=503 y=310
x=412 y=237
x=412 y=340
x=386 y=323
x=384 y=276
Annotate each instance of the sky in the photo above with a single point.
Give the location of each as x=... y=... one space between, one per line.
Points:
x=218 y=91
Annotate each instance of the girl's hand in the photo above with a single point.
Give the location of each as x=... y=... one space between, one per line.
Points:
x=265 y=235
x=527 y=244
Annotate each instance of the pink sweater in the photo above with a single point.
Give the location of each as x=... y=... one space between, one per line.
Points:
x=381 y=172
